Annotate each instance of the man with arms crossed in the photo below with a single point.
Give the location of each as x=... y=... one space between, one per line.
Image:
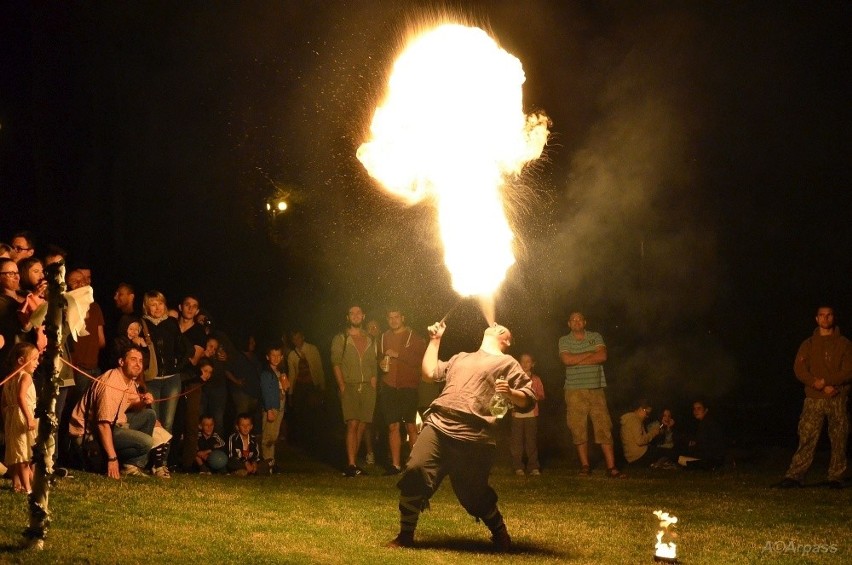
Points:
x=583 y=354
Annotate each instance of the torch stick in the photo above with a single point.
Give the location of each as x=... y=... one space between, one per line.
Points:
x=447 y=315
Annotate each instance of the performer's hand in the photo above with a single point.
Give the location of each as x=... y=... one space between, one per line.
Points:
x=436 y=330
x=829 y=390
x=819 y=384
x=501 y=386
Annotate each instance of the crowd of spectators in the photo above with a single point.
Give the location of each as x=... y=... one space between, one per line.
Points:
x=157 y=389
x=163 y=390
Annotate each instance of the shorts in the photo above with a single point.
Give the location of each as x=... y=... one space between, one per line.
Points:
x=398 y=404
x=582 y=404
x=358 y=402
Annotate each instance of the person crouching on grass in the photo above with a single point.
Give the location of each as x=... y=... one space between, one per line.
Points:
x=458 y=435
x=209 y=458
x=243 y=453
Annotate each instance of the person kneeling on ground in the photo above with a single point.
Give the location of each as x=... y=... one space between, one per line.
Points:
x=120 y=417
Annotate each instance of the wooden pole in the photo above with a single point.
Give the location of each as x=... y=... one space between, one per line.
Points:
x=48 y=382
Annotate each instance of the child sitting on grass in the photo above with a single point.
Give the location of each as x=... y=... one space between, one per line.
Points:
x=243 y=453
x=19 y=400
x=210 y=458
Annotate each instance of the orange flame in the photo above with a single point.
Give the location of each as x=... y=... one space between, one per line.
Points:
x=667 y=549
x=452 y=129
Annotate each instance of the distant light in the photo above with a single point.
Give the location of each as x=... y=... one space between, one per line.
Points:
x=282 y=205
x=268 y=207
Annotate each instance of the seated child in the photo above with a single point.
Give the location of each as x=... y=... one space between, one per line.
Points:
x=243 y=453
x=210 y=458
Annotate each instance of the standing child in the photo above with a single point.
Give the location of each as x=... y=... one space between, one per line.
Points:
x=243 y=453
x=19 y=400
x=525 y=425
x=274 y=385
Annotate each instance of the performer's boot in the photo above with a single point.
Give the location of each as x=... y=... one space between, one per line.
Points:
x=499 y=534
x=409 y=513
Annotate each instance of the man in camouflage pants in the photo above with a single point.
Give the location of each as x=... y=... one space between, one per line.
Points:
x=824 y=365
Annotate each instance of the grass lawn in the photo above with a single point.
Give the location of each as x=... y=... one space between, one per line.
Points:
x=310 y=514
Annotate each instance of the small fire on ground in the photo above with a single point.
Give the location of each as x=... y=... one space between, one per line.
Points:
x=666 y=549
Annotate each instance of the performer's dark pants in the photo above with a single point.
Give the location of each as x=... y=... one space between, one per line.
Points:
x=468 y=464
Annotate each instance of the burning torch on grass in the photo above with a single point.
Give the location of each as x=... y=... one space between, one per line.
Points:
x=666 y=552
x=452 y=129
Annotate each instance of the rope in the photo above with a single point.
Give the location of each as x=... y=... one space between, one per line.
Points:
x=15 y=372
x=94 y=379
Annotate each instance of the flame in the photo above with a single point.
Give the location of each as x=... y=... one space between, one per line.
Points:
x=669 y=549
x=452 y=129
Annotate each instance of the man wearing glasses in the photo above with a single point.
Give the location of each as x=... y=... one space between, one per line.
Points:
x=10 y=327
x=636 y=438
x=23 y=245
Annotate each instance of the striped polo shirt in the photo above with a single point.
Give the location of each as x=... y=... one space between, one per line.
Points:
x=583 y=376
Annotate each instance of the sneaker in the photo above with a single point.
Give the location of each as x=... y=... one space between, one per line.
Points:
x=520 y=472
x=60 y=473
x=370 y=459
x=585 y=471
x=403 y=539
x=240 y=473
x=128 y=470
x=502 y=540
x=393 y=470
x=787 y=482
x=161 y=472
x=535 y=472
x=57 y=474
x=353 y=471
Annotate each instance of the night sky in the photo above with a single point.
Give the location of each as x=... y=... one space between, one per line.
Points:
x=692 y=200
